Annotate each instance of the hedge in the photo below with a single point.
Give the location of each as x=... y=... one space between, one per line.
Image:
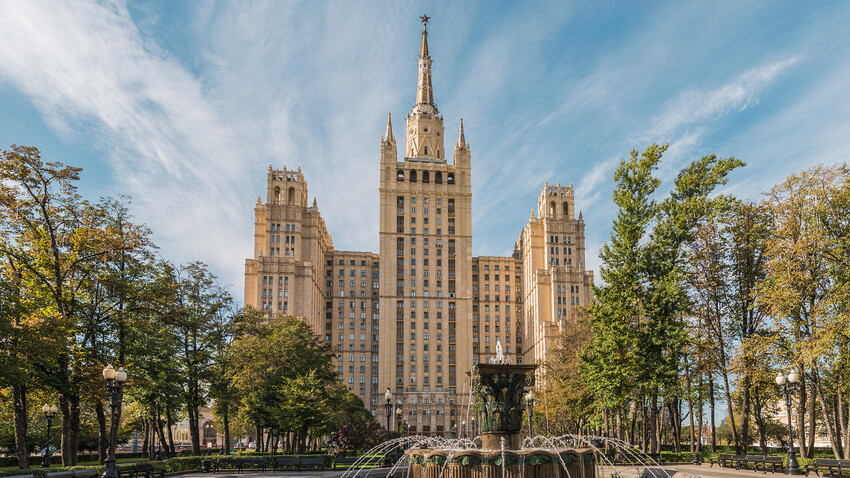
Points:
x=56 y=459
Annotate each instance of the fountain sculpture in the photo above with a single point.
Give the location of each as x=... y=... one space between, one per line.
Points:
x=499 y=388
x=501 y=452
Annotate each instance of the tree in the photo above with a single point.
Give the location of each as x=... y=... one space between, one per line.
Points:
x=806 y=289
x=52 y=238
x=638 y=315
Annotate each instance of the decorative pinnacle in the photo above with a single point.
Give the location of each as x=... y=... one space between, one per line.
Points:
x=461 y=140
x=425 y=19
x=389 y=137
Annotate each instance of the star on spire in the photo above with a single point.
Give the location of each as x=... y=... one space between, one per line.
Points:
x=425 y=19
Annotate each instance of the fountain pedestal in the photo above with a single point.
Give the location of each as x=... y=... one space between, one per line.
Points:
x=499 y=390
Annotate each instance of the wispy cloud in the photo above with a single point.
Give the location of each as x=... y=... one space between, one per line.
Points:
x=694 y=107
x=86 y=68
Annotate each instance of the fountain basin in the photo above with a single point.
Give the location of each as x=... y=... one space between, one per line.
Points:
x=532 y=463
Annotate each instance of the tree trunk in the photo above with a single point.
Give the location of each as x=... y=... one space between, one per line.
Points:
x=730 y=410
x=103 y=438
x=801 y=417
x=19 y=399
x=690 y=407
x=146 y=440
x=836 y=451
x=655 y=429
x=812 y=422
x=713 y=426
x=758 y=408
x=74 y=401
x=194 y=427
x=169 y=421
x=745 y=413
x=226 y=421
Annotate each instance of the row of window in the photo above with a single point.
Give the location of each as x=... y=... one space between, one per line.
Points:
x=426 y=176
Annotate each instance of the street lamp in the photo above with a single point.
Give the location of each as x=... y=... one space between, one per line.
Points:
x=398 y=417
x=789 y=388
x=463 y=429
x=49 y=413
x=389 y=406
x=529 y=404
x=114 y=382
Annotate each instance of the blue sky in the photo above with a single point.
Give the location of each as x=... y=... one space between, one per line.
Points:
x=183 y=105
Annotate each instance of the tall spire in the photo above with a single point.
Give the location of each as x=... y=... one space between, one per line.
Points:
x=424 y=90
x=461 y=140
x=389 y=136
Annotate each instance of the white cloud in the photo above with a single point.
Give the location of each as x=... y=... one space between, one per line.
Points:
x=694 y=107
x=86 y=68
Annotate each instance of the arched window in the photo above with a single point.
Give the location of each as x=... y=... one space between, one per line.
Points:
x=450 y=178
x=566 y=210
x=426 y=149
x=438 y=177
x=290 y=198
x=552 y=208
x=399 y=176
x=412 y=176
x=426 y=178
x=277 y=194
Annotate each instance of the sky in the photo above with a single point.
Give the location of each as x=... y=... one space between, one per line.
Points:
x=182 y=106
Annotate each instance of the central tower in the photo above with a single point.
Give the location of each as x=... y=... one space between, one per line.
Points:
x=425 y=266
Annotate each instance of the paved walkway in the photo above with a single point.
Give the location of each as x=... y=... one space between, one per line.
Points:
x=703 y=471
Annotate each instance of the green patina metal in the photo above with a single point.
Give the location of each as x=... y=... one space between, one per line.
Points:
x=568 y=458
x=499 y=392
x=540 y=459
x=508 y=460
x=438 y=459
x=465 y=460
x=416 y=459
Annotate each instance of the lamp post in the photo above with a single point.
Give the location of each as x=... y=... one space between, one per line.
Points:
x=398 y=417
x=114 y=383
x=790 y=387
x=463 y=429
x=529 y=404
x=474 y=429
x=389 y=406
x=49 y=413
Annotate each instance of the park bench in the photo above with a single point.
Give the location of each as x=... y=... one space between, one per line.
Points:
x=87 y=473
x=227 y=464
x=299 y=463
x=286 y=463
x=345 y=461
x=312 y=462
x=23 y=476
x=125 y=471
x=731 y=460
x=828 y=467
x=258 y=463
x=148 y=471
x=774 y=462
x=60 y=474
x=751 y=461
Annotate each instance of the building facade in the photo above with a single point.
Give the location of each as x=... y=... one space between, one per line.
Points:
x=417 y=315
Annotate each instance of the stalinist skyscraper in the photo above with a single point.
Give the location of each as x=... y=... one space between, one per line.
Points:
x=415 y=317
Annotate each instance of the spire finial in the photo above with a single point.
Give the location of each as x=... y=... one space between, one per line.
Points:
x=389 y=128
x=424 y=52
x=461 y=140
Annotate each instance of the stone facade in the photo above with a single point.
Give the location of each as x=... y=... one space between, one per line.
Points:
x=415 y=317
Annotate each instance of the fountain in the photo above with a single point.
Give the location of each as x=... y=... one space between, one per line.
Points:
x=498 y=387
